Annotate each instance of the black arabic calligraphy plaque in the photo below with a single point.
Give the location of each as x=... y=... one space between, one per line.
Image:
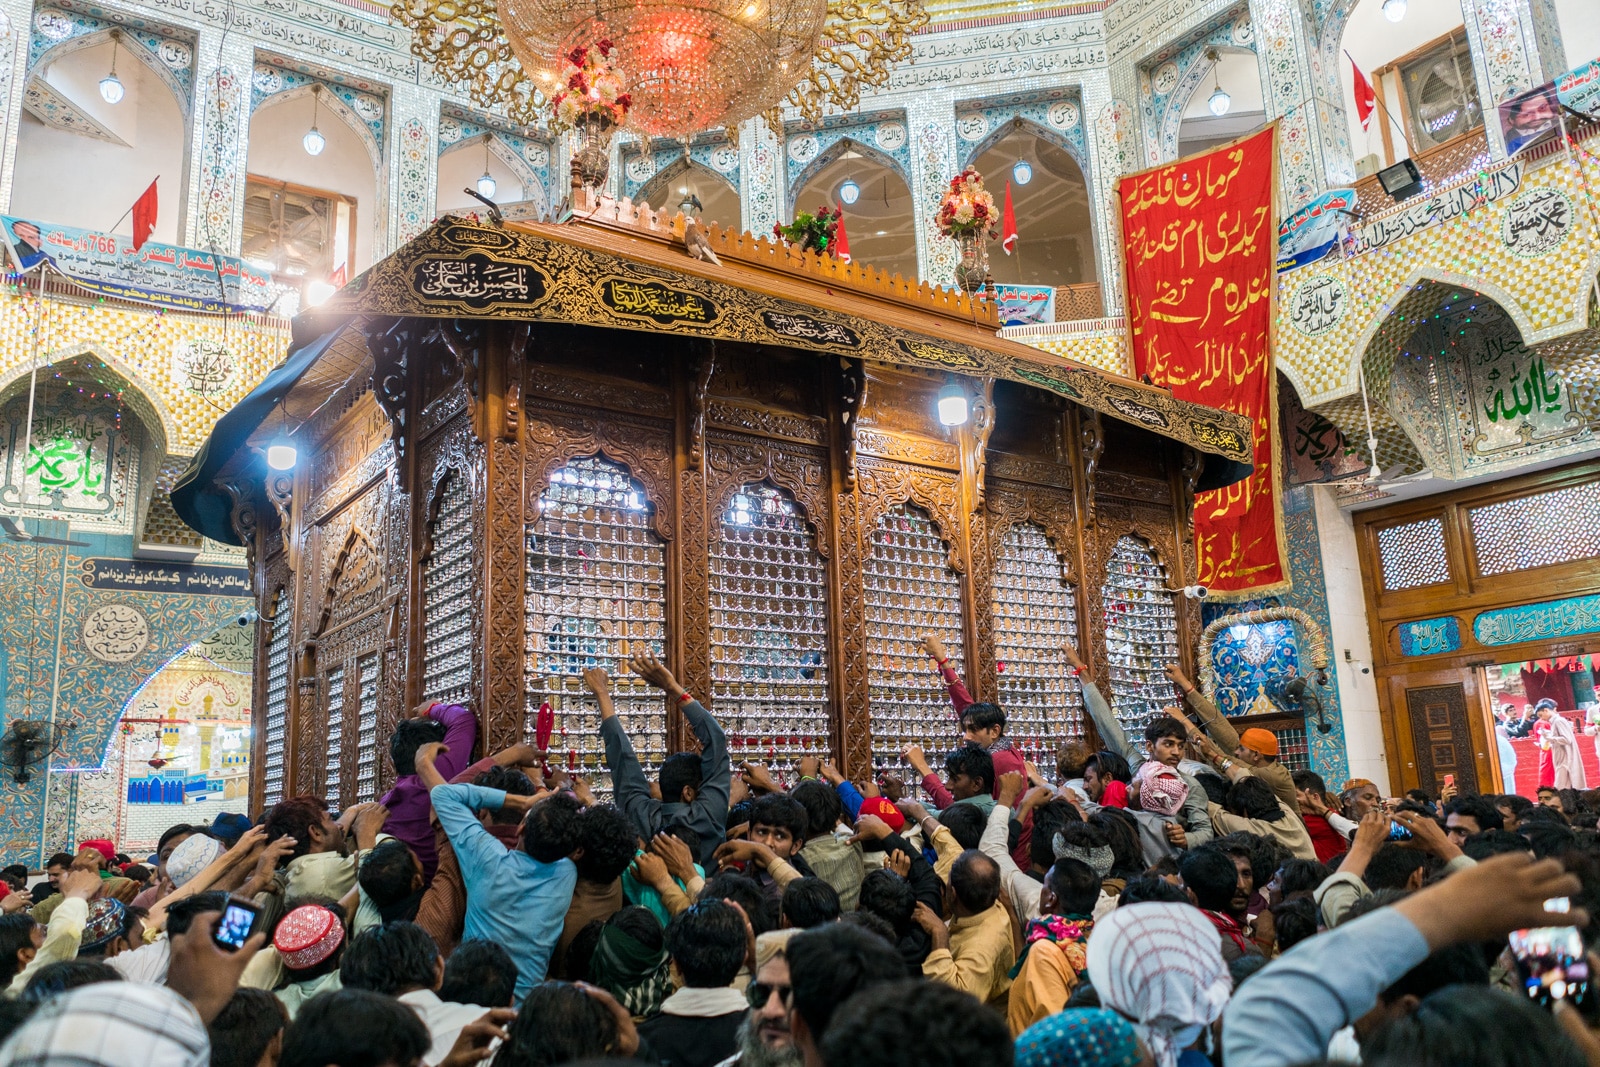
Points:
x=478 y=282
x=655 y=302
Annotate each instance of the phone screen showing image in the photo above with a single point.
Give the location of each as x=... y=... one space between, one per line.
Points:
x=237 y=922
x=1552 y=964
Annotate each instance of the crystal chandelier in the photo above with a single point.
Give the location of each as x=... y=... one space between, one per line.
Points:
x=689 y=65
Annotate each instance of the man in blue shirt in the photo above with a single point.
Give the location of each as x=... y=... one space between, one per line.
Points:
x=516 y=897
x=694 y=789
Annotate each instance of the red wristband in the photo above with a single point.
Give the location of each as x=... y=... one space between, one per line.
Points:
x=942 y=662
x=685 y=696
x=1077 y=671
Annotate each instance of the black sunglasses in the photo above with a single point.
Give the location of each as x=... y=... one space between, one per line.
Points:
x=760 y=992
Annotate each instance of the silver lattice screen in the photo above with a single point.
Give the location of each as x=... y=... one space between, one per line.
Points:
x=595 y=594
x=1035 y=610
x=276 y=726
x=447 y=597
x=335 y=749
x=367 y=728
x=910 y=591
x=769 y=631
x=1141 y=634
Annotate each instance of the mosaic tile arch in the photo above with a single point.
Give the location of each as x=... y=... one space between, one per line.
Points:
x=1169 y=77
x=887 y=133
x=141 y=396
x=457 y=127
x=1057 y=116
x=642 y=164
x=531 y=181
x=363 y=110
x=167 y=51
x=663 y=187
x=824 y=157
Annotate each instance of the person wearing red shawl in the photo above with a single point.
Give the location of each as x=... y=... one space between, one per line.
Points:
x=1560 y=764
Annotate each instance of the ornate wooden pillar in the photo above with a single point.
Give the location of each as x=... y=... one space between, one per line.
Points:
x=500 y=426
x=848 y=650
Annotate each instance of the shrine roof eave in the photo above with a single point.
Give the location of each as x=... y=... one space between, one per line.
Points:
x=617 y=278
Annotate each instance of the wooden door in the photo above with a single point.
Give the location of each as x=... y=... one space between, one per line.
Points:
x=1437 y=728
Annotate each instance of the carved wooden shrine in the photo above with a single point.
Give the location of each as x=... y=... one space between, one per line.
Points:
x=528 y=449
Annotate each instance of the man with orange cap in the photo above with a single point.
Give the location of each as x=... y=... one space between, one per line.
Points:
x=1257 y=749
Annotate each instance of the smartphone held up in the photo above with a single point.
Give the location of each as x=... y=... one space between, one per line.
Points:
x=236 y=924
x=1552 y=963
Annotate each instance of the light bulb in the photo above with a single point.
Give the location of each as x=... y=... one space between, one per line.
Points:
x=317 y=293
x=952 y=405
x=1394 y=10
x=1220 y=101
x=281 y=457
x=313 y=142
x=849 y=192
x=1022 y=173
x=486 y=186
x=111 y=89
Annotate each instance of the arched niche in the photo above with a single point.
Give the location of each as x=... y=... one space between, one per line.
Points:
x=719 y=200
x=83 y=162
x=881 y=224
x=347 y=166
x=91 y=452
x=463 y=163
x=1055 y=226
x=1360 y=29
x=1238 y=73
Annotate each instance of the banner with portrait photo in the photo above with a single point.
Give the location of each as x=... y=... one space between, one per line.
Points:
x=1200 y=248
x=1530 y=118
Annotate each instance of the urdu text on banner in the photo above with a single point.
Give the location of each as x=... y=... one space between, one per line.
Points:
x=1200 y=246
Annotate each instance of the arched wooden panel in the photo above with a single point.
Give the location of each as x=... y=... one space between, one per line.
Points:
x=1141 y=633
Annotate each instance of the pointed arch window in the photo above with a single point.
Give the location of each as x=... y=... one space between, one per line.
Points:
x=1141 y=633
x=1035 y=609
x=447 y=584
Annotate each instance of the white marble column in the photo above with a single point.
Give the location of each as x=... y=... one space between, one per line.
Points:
x=1301 y=89
x=760 y=188
x=214 y=209
x=931 y=121
x=1516 y=44
x=413 y=152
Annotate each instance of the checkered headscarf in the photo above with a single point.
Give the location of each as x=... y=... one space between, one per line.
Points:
x=109 y=1024
x=1161 y=965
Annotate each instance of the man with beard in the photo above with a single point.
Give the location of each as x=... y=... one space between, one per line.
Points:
x=765 y=1039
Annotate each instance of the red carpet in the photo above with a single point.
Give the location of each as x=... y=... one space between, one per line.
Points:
x=1527 y=751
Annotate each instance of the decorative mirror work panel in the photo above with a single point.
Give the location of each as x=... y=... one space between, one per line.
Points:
x=1141 y=634
x=367 y=728
x=910 y=590
x=447 y=585
x=1035 y=610
x=334 y=753
x=595 y=594
x=1537 y=531
x=769 y=630
x=79 y=459
x=1413 y=555
x=275 y=720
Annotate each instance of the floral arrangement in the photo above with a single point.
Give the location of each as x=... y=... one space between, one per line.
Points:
x=815 y=233
x=967 y=208
x=591 y=86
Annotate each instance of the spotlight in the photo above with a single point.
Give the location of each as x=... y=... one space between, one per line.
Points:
x=281 y=457
x=952 y=405
x=317 y=293
x=1402 y=180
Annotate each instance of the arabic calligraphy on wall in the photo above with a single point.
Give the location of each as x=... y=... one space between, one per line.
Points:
x=475 y=282
x=655 y=302
x=1430 y=637
x=1318 y=305
x=1441 y=207
x=1533 y=622
x=1536 y=222
x=81 y=460
x=98 y=572
x=1317 y=450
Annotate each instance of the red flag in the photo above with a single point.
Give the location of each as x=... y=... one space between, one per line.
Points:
x=1008 y=224
x=1366 y=99
x=841 y=240
x=144 y=217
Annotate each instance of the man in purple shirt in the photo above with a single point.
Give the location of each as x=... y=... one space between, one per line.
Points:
x=408 y=803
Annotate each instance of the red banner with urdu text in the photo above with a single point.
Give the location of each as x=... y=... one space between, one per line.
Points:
x=1200 y=247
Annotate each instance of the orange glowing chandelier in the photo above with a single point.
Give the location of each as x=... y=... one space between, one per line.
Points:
x=686 y=65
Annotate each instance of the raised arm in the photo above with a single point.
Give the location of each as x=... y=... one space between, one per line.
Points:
x=716 y=774
x=935 y=788
x=629 y=785
x=1211 y=719
x=1105 y=720
x=959 y=696
x=460 y=735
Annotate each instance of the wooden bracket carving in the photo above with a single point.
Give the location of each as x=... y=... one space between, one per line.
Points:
x=389 y=340
x=1194 y=464
x=511 y=407
x=1092 y=442
x=706 y=363
x=280 y=491
x=242 y=516
x=976 y=439
x=852 y=388
x=461 y=341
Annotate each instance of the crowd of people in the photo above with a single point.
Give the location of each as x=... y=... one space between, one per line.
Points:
x=1176 y=899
